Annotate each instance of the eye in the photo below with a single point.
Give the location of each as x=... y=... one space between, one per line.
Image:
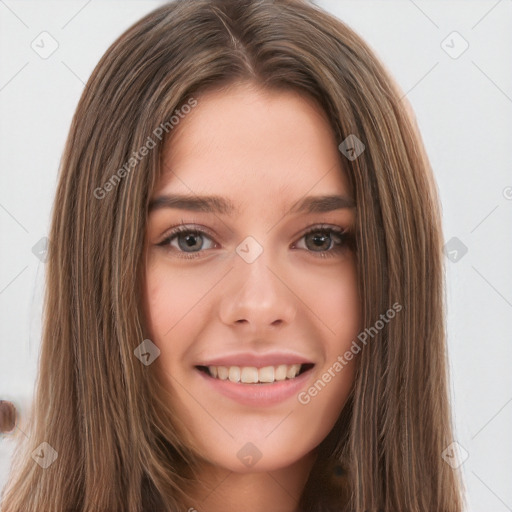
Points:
x=322 y=241
x=325 y=241
x=186 y=241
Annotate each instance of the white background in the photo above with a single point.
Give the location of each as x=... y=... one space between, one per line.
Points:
x=463 y=106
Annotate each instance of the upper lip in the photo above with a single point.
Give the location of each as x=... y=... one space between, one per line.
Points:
x=257 y=360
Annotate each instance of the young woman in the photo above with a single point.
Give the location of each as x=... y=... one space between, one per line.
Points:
x=244 y=305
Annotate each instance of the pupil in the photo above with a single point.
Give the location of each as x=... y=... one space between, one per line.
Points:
x=190 y=241
x=321 y=239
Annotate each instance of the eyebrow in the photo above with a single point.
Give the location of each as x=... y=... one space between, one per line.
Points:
x=221 y=205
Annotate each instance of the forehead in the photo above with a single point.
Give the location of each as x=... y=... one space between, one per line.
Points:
x=250 y=144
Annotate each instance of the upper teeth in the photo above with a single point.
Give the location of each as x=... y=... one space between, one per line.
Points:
x=251 y=374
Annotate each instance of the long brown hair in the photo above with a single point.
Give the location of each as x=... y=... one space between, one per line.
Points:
x=116 y=438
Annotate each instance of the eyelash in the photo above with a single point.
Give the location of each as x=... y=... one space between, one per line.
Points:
x=346 y=239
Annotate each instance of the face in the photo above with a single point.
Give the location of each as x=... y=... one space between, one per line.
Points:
x=261 y=282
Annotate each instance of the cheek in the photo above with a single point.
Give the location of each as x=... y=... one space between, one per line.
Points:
x=347 y=315
x=333 y=297
x=169 y=296
x=168 y=300
x=176 y=305
x=336 y=300
x=160 y=302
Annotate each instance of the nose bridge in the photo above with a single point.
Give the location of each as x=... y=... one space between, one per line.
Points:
x=257 y=277
x=256 y=293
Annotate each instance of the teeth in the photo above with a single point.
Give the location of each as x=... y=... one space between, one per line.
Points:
x=234 y=374
x=253 y=375
x=266 y=374
x=249 y=375
x=222 y=372
x=280 y=373
x=291 y=371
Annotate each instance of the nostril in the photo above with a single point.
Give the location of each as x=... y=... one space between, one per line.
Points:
x=7 y=416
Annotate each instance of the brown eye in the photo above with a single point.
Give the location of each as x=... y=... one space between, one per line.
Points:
x=325 y=240
x=319 y=240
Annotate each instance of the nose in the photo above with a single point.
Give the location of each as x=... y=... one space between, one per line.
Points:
x=257 y=294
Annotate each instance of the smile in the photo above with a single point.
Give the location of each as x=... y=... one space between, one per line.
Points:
x=256 y=387
x=253 y=375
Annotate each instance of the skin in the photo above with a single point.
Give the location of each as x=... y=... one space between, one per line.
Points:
x=264 y=150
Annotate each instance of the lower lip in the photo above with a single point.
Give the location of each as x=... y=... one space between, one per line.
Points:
x=258 y=394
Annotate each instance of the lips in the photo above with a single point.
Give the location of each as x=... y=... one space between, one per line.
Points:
x=256 y=394
x=256 y=379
